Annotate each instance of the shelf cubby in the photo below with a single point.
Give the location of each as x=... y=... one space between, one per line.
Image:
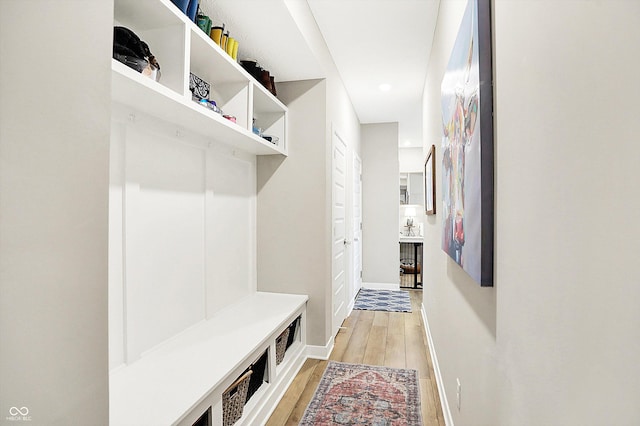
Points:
x=163 y=30
x=270 y=116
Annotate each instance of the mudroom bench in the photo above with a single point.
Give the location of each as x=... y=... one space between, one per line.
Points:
x=182 y=381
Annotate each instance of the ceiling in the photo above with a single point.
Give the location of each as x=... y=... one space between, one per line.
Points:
x=372 y=42
x=376 y=42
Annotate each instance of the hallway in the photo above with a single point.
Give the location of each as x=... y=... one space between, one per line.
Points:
x=377 y=338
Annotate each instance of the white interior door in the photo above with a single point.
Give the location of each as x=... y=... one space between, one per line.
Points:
x=339 y=237
x=357 y=227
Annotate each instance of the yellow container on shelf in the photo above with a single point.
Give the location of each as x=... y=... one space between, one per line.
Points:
x=234 y=55
x=216 y=35
x=223 y=41
x=229 y=48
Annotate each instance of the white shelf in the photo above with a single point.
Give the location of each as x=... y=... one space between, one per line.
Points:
x=212 y=64
x=181 y=47
x=167 y=383
x=143 y=94
x=148 y=14
x=263 y=101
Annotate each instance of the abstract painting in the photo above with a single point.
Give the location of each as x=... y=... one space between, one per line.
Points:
x=467 y=143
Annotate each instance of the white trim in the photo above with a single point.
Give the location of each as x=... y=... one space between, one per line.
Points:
x=448 y=419
x=350 y=306
x=382 y=286
x=320 y=352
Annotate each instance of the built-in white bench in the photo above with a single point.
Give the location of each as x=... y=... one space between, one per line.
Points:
x=175 y=383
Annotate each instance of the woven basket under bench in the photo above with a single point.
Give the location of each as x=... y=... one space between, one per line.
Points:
x=281 y=345
x=234 y=398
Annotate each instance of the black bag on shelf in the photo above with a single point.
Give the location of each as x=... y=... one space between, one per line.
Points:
x=133 y=52
x=292 y=331
x=257 y=378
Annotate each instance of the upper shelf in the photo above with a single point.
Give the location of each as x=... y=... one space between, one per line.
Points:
x=143 y=94
x=147 y=14
x=182 y=48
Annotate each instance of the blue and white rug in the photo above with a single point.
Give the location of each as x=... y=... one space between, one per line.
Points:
x=383 y=300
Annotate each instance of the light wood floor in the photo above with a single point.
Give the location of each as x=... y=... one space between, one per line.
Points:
x=392 y=339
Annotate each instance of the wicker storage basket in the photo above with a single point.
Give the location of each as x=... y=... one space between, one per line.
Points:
x=281 y=345
x=234 y=398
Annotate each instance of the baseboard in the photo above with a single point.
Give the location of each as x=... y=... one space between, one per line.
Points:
x=320 y=352
x=382 y=286
x=446 y=411
x=352 y=301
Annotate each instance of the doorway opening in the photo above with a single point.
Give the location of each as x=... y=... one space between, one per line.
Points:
x=411 y=265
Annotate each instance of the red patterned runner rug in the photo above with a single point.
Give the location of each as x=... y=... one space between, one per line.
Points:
x=357 y=394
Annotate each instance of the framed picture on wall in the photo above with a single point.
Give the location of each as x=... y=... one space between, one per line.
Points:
x=430 y=182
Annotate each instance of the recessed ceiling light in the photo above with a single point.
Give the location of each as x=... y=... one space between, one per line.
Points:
x=385 y=87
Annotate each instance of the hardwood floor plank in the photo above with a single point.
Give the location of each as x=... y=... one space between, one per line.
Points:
x=307 y=393
x=341 y=343
x=291 y=396
x=374 y=352
x=358 y=342
x=416 y=353
x=352 y=318
x=344 y=335
x=438 y=404
x=395 y=351
x=416 y=304
x=367 y=316
x=381 y=318
x=429 y=407
x=434 y=387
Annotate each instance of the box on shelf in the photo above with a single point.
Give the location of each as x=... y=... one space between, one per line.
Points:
x=199 y=88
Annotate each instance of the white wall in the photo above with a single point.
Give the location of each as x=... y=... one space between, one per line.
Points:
x=294 y=194
x=557 y=340
x=292 y=255
x=411 y=159
x=54 y=156
x=182 y=232
x=294 y=224
x=380 y=201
